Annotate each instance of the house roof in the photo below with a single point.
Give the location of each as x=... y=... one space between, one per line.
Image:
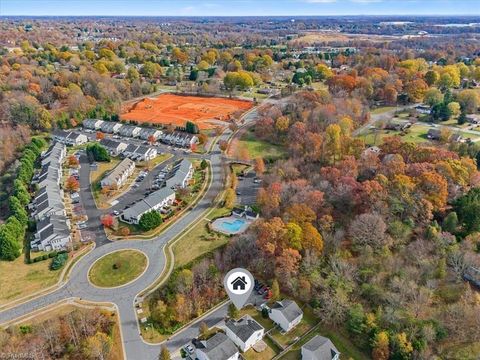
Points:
x=119 y=170
x=289 y=309
x=244 y=328
x=322 y=348
x=219 y=347
x=145 y=205
x=91 y=122
x=181 y=171
x=110 y=144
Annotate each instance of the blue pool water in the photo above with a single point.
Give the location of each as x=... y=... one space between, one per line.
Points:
x=232 y=227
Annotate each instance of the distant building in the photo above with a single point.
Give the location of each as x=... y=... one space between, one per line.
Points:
x=473 y=118
x=179 y=139
x=119 y=175
x=140 y=152
x=69 y=137
x=113 y=147
x=286 y=314
x=320 y=348
x=146 y=133
x=92 y=124
x=423 y=109
x=129 y=131
x=110 y=127
x=218 y=347
x=245 y=332
x=433 y=134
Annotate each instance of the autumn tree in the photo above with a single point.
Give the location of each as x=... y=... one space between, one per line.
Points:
x=72 y=184
x=259 y=166
x=73 y=162
x=230 y=198
x=97 y=346
x=164 y=353
x=381 y=346
x=99 y=135
x=107 y=220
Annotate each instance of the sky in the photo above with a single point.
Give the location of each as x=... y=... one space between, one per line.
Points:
x=237 y=7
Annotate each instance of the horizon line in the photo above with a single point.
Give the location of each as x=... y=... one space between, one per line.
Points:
x=243 y=16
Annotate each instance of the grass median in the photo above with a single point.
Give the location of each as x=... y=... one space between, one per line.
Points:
x=118 y=268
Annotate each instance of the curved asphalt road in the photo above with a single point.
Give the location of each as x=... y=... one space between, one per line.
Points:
x=78 y=285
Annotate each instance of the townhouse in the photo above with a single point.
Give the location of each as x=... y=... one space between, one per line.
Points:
x=110 y=127
x=129 y=131
x=119 y=175
x=70 y=138
x=181 y=174
x=92 y=124
x=147 y=133
x=155 y=201
x=113 y=147
x=53 y=233
x=140 y=152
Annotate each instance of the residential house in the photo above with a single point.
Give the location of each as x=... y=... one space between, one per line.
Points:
x=181 y=175
x=119 y=175
x=457 y=138
x=129 y=130
x=53 y=233
x=155 y=201
x=286 y=313
x=245 y=332
x=69 y=137
x=218 y=347
x=423 y=109
x=319 y=348
x=433 y=134
x=92 y=124
x=47 y=204
x=110 y=127
x=140 y=152
x=113 y=147
x=179 y=139
x=473 y=118
x=146 y=133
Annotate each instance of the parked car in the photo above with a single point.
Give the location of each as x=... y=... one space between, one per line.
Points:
x=190 y=349
x=116 y=212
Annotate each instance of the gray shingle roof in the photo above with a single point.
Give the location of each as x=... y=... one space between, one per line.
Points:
x=288 y=308
x=219 y=347
x=244 y=328
x=145 y=205
x=322 y=348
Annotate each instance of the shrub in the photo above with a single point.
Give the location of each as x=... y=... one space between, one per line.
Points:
x=59 y=261
x=150 y=220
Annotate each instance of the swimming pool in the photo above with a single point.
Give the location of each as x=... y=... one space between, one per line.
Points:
x=230 y=225
x=234 y=226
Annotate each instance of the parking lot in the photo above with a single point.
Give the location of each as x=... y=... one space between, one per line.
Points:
x=247 y=189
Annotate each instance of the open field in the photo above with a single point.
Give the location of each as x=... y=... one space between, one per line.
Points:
x=18 y=279
x=169 y=109
x=257 y=147
x=314 y=37
x=117 y=268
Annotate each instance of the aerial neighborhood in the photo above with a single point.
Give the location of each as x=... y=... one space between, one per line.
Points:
x=240 y=180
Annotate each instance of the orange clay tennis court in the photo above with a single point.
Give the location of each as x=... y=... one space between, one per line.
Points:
x=176 y=110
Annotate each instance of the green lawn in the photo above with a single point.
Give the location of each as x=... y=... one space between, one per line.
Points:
x=259 y=148
x=307 y=323
x=257 y=315
x=416 y=134
x=117 y=268
x=339 y=339
x=267 y=354
x=197 y=242
x=382 y=109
